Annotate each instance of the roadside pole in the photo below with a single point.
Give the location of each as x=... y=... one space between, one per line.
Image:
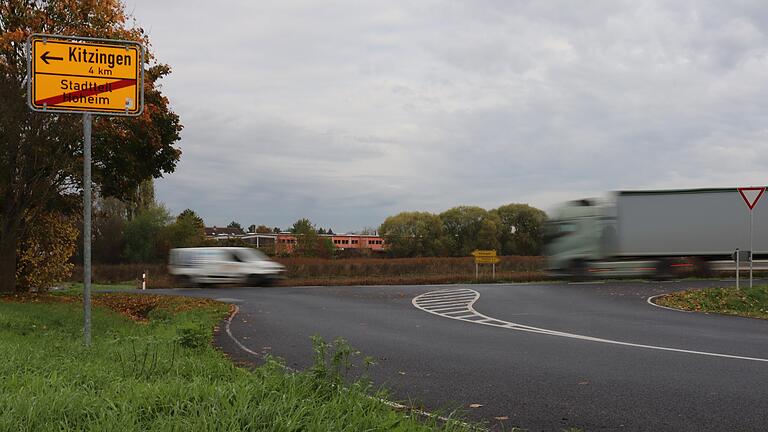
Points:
x=751 y=250
x=87 y=120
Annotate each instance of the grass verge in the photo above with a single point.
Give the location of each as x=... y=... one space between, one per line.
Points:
x=746 y=302
x=152 y=367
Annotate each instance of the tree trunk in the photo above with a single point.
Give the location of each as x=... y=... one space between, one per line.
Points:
x=9 y=239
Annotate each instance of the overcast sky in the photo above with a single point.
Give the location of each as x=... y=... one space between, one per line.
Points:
x=347 y=112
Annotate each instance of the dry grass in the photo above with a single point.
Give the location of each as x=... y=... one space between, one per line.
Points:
x=399 y=267
x=353 y=271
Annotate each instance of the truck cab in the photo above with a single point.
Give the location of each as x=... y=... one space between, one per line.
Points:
x=579 y=231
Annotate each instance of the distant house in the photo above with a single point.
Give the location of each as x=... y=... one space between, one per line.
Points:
x=222 y=232
x=285 y=242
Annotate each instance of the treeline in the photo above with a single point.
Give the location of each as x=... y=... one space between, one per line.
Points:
x=144 y=235
x=513 y=229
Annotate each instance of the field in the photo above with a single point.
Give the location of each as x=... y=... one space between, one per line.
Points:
x=352 y=271
x=152 y=368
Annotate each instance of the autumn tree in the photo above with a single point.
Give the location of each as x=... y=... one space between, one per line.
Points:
x=44 y=251
x=468 y=228
x=188 y=230
x=41 y=153
x=109 y=218
x=522 y=229
x=410 y=234
x=236 y=225
x=307 y=240
x=263 y=229
x=146 y=235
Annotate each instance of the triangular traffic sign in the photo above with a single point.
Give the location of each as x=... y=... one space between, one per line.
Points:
x=751 y=195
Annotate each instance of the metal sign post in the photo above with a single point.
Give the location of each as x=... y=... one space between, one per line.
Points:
x=751 y=248
x=751 y=195
x=73 y=74
x=87 y=120
x=736 y=256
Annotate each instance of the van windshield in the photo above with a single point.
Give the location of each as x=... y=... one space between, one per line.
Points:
x=250 y=255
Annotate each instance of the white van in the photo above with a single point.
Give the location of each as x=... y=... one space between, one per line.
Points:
x=212 y=265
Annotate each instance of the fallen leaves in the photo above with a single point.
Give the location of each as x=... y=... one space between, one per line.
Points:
x=135 y=306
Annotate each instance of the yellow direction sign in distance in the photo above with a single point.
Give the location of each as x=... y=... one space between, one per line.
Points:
x=85 y=75
x=484 y=253
x=487 y=260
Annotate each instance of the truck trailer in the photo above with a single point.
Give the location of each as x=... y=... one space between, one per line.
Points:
x=662 y=233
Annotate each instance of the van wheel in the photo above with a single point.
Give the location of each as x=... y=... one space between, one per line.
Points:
x=185 y=281
x=256 y=280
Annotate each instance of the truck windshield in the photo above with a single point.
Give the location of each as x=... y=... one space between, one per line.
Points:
x=556 y=229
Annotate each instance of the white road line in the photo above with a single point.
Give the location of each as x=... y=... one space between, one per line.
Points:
x=460 y=300
x=493 y=322
x=447 y=297
x=650 y=302
x=455 y=309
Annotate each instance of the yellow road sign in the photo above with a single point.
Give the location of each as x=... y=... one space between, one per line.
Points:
x=68 y=74
x=484 y=253
x=487 y=260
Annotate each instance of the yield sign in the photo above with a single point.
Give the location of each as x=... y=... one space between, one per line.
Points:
x=751 y=195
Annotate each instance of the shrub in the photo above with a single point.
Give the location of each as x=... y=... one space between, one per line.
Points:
x=45 y=250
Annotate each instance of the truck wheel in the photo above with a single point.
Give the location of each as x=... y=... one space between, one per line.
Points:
x=702 y=268
x=577 y=270
x=663 y=270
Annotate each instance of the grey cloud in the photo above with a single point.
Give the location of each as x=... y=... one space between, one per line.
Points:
x=347 y=112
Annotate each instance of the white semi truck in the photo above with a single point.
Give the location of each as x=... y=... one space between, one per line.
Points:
x=663 y=233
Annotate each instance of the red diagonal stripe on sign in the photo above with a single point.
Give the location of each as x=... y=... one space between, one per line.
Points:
x=55 y=100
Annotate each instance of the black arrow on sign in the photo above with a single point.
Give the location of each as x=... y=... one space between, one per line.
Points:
x=45 y=57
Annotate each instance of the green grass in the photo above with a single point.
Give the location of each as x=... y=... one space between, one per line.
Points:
x=747 y=302
x=164 y=375
x=77 y=287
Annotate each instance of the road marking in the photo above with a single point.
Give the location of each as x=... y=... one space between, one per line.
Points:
x=650 y=302
x=473 y=316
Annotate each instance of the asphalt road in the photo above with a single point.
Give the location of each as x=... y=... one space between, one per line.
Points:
x=595 y=359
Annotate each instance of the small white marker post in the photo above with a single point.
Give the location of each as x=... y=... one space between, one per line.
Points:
x=144 y=280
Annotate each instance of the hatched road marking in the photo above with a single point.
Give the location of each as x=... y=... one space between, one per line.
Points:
x=457 y=304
